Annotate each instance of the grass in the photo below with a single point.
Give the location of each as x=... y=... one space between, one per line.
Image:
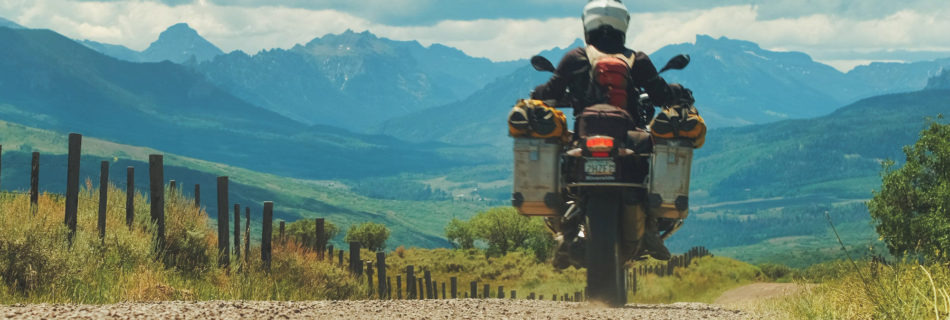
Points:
x=703 y=281
x=904 y=290
x=415 y=223
x=37 y=264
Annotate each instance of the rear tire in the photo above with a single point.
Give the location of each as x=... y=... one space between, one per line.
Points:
x=606 y=281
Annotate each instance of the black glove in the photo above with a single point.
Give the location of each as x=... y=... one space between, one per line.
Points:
x=681 y=95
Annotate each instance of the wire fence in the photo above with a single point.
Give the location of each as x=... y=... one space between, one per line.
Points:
x=410 y=283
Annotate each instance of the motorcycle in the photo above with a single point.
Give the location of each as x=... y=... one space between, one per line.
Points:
x=594 y=182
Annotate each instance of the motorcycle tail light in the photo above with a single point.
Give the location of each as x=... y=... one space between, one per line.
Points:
x=600 y=154
x=600 y=144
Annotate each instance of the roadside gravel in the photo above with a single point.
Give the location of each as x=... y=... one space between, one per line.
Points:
x=493 y=309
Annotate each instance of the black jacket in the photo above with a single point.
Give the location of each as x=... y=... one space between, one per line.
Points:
x=574 y=72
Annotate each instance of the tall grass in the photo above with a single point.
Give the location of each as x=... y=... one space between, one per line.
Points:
x=903 y=290
x=703 y=281
x=37 y=265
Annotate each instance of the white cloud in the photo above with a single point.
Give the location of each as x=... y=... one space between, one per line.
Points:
x=136 y=23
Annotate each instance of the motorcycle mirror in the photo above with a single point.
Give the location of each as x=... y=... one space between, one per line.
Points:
x=678 y=62
x=542 y=64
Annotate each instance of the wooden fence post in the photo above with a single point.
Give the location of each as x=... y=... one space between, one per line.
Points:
x=237 y=231
x=320 y=237
x=420 y=294
x=443 y=290
x=389 y=288
x=634 y=284
x=35 y=183
x=224 y=256
x=453 y=283
x=355 y=267
x=369 y=278
x=399 y=287
x=129 y=196
x=577 y=296
x=198 y=196
x=381 y=273
x=340 y=256
x=330 y=253
x=428 y=281
x=281 y=234
x=267 y=234
x=72 y=183
x=514 y=294
x=501 y=292
x=156 y=167
x=486 y=290
x=410 y=282
x=172 y=186
x=474 y=290
x=103 y=198
x=247 y=234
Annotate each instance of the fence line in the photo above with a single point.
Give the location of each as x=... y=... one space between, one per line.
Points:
x=416 y=287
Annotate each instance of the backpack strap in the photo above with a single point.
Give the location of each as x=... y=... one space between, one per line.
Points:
x=594 y=55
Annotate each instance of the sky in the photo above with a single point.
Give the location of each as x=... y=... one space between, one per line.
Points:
x=842 y=33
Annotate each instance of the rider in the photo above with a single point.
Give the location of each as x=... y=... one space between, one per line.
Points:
x=605 y=27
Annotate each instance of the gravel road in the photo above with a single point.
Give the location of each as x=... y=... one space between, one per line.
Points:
x=493 y=309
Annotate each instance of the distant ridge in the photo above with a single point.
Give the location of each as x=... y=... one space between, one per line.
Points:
x=941 y=82
x=4 y=23
x=179 y=44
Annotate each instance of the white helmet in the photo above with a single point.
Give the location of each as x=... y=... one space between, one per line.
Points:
x=610 y=13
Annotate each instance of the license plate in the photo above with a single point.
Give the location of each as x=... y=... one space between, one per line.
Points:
x=600 y=167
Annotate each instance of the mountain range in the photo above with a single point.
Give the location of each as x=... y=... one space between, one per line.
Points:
x=51 y=82
x=735 y=83
x=331 y=78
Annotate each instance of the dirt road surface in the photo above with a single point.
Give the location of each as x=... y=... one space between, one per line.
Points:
x=757 y=292
x=493 y=309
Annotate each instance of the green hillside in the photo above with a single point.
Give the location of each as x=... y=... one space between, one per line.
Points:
x=760 y=193
x=837 y=155
x=414 y=223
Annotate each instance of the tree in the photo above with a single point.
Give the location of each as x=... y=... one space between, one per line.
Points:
x=912 y=209
x=460 y=234
x=371 y=236
x=504 y=230
x=304 y=232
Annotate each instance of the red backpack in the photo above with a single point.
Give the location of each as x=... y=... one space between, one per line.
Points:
x=609 y=77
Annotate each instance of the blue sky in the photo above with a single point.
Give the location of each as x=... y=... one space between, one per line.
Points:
x=839 y=32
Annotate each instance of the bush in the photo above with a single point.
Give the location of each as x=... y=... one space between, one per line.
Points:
x=371 y=236
x=304 y=232
x=504 y=230
x=912 y=210
x=777 y=272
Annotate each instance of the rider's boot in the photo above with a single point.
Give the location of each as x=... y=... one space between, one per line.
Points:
x=562 y=257
x=633 y=222
x=652 y=242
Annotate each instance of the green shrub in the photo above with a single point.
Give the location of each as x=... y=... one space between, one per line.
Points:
x=304 y=232
x=370 y=235
x=504 y=231
x=777 y=272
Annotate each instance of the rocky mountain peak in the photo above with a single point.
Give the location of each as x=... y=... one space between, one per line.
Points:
x=179 y=43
